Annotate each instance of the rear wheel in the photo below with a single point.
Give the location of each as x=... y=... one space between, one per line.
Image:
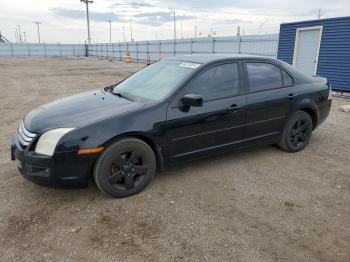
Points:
x=125 y=168
x=297 y=132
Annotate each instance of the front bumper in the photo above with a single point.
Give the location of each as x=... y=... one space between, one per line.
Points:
x=67 y=169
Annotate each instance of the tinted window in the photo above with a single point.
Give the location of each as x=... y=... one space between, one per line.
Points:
x=263 y=76
x=217 y=82
x=156 y=81
x=287 y=80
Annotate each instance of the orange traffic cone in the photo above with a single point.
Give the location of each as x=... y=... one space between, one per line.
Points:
x=149 y=60
x=127 y=58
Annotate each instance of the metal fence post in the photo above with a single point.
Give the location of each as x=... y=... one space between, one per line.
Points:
x=28 y=48
x=113 y=51
x=120 y=52
x=147 y=50
x=60 y=49
x=160 y=50
x=191 y=46
x=12 y=52
x=213 y=46
x=137 y=52
x=45 y=52
x=239 y=44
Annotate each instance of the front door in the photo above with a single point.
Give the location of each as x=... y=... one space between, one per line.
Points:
x=214 y=126
x=307 y=46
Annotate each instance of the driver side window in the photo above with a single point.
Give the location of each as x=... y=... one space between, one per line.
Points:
x=217 y=82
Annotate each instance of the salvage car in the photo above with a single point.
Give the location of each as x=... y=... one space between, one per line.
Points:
x=178 y=109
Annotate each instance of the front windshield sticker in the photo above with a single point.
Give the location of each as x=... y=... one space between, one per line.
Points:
x=190 y=65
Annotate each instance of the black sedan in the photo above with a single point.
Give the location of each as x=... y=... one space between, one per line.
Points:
x=175 y=110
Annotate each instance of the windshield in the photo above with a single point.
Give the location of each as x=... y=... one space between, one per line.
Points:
x=156 y=81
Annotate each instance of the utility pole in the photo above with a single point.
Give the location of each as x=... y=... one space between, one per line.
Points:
x=262 y=24
x=181 y=32
x=24 y=37
x=195 y=32
x=110 y=31
x=124 y=38
x=87 y=2
x=319 y=14
x=173 y=11
x=37 y=24
x=19 y=33
x=16 y=35
x=131 y=39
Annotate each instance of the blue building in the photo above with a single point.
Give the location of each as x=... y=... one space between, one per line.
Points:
x=319 y=47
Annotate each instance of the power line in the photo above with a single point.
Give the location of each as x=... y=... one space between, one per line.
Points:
x=87 y=2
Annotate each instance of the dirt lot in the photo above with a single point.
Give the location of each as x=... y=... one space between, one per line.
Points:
x=262 y=205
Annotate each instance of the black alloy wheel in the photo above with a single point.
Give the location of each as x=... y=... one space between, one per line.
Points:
x=297 y=132
x=125 y=167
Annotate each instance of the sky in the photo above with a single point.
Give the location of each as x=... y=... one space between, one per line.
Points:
x=64 y=21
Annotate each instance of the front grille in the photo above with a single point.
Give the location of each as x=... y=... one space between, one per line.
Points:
x=24 y=136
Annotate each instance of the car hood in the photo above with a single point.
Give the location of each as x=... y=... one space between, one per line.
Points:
x=78 y=110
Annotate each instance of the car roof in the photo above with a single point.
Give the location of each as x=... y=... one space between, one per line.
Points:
x=207 y=58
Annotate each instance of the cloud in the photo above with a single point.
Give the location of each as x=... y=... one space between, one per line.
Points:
x=80 y=14
x=132 y=4
x=212 y=5
x=160 y=18
x=233 y=21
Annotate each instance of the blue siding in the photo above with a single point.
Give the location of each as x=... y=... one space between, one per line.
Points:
x=334 y=57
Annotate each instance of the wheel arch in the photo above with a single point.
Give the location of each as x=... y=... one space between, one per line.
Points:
x=312 y=113
x=145 y=138
x=309 y=106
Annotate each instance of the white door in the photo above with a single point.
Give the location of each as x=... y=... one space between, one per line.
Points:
x=306 y=50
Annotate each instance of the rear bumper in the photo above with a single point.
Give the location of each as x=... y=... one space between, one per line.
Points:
x=324 y=110
x=61 y=170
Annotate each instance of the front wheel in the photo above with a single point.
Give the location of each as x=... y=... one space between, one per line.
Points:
x=125 y=167
x=297 y=132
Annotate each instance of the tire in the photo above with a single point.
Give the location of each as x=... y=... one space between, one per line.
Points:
x=297 y=132
x=125 y=168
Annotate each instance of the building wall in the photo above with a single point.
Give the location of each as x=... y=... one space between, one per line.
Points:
x=334 y=56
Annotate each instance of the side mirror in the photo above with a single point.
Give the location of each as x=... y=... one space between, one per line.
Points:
x=192 y=100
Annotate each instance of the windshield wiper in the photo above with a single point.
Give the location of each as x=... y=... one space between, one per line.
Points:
x=121 y=95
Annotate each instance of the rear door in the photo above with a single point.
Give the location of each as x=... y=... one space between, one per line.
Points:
x=216 y=125
x=269 y=98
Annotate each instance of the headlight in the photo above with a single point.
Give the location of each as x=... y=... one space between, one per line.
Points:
x=48 y=141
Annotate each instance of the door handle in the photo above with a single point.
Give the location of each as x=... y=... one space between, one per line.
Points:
x=234 y=108
x=291 y=96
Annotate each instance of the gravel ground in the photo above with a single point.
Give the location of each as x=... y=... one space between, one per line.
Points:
x=261 y=205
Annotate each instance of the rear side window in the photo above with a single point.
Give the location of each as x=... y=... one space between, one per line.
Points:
x=287 y=80
x=217 y=82
x=263 y=76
